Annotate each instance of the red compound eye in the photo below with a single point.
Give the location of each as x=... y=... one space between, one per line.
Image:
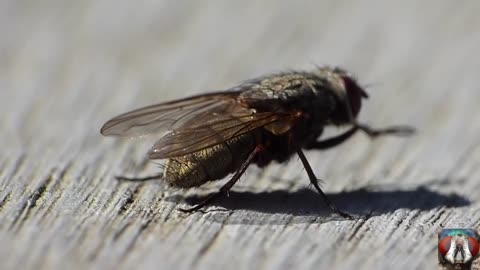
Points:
x=444 y=245
x=473 y=246
x=354 y=94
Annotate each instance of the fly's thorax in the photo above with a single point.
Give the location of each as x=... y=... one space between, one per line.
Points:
x=278 y=92
x=209 y=164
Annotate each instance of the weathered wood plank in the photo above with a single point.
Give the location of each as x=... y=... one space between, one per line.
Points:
x=66 y=67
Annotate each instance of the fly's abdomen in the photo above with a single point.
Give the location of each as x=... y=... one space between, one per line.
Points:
x=209 y=164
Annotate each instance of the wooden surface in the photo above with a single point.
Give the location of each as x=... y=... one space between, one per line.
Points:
x=68 y=66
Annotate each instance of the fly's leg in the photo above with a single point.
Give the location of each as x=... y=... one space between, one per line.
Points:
x=393 y=130
x=332 y=142
x=139 y=179
x=225 y=188
x=371 y=132
x=314 y=181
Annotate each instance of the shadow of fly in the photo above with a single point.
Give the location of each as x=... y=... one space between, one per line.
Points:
x=271 y=118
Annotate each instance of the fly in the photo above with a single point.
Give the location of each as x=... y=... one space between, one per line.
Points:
x=271 y=118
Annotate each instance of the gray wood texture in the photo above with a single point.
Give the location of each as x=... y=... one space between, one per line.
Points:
x=68 y=66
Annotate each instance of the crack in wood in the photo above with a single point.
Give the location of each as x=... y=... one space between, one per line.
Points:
x=208 y=245
x=18 y=165
x=129 y=200
x=130 y=246
x=5 y=200
x=31 y=203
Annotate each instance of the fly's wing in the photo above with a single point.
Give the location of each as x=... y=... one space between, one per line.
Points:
x=195 y=123
x=211 y=128
x=159 y=118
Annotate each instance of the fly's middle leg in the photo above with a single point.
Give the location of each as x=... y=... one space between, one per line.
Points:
x=313 y=179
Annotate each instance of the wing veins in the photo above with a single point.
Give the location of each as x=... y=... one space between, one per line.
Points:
x=173 y=120
x=212 y=135
x=246 y=125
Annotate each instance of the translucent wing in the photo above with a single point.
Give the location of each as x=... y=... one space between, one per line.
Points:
x=211 y=128
x=199 y=122
x=158 y=118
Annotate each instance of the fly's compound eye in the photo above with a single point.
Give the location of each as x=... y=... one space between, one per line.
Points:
x=445 y=243
x=472 y=246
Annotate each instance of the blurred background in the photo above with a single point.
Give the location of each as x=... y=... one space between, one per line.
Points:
x=68 y=66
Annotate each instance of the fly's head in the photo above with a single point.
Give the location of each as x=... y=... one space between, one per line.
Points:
x=348 y=92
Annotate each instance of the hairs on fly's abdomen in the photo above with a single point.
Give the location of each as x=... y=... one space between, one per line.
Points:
x=173 y=175
x=169 y=173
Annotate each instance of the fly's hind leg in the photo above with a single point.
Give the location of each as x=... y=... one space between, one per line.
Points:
x=225 y=188
x=139 y=179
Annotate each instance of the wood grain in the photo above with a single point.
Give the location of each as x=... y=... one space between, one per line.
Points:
x=67 y=66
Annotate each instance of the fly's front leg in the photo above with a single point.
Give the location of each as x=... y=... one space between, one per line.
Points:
x=371 y=132
x=393 y=130
x=332 y=142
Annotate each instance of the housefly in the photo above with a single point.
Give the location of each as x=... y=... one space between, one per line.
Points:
x=207 y=137
x=457 y=248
